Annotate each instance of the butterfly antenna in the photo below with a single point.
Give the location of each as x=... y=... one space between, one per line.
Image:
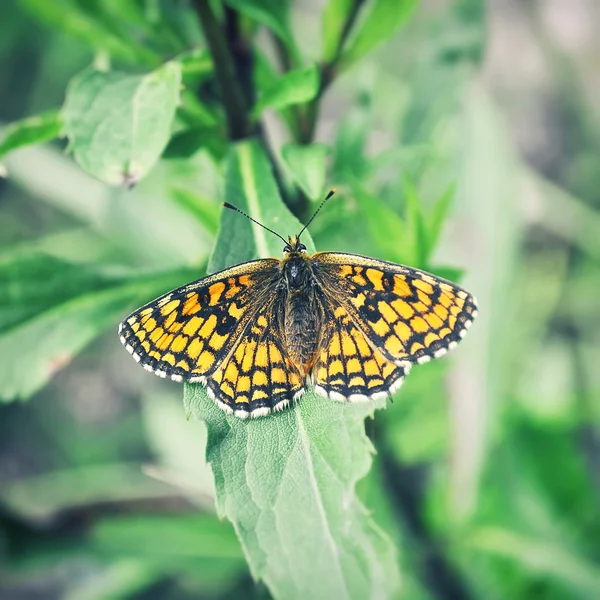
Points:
x=232 y=207
x=331 y=193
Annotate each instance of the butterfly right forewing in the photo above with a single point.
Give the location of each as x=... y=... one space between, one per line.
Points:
x=409 y=315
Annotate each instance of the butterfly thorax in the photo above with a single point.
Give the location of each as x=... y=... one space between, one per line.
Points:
x=302 y=311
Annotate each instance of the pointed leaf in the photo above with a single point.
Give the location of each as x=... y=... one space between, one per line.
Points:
x=32 y=130
x=381 y=22
x=389 y=232
x=306 y=165
x=119 y=124
x=437 y=216
x=334 y=18
x=415 y=223
x=271 y=13
x=295 y=87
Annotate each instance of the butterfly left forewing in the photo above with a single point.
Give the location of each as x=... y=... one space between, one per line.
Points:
x=409 y=315
x=186 y=333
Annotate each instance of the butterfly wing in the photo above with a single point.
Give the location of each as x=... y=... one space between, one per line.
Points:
x=187 y=333
x=258 y=375
x=406 y=315
x=348 y=367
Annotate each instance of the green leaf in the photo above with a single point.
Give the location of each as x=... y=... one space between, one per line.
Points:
x=50 y=310
x=382 y=20
x=200 y=546
x=306 y=165
x=84 y=23
x=350 y=141
x=415 y=223
x=295 y=87
x=196 y=64
x=287 y=481
x=32 y=130
x=334 y=18
x=42 y=497
x=194 y=536
x=387 y=229
x=202 y=208
x=438 y=215
x=271 y=13
x=540 y=557
x=119 y=124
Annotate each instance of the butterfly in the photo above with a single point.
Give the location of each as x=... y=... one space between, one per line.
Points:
x=260 y=333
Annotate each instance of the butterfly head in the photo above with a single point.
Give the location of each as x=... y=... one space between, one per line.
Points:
x=294 y=246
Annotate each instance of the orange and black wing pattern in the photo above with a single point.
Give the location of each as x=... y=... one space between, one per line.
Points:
x=348 y=366
x=186 y=334
x=406 y=316
x=258 y=376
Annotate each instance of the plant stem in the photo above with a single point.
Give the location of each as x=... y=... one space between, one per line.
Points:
x=234 y=100
x=307 y=124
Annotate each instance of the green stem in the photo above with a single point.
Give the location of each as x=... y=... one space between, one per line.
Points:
x=329 y=70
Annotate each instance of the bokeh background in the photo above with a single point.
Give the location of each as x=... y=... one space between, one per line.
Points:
x=490 y=459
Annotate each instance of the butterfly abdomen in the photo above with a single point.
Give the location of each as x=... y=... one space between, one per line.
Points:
x=302 y=324
x=302 y=314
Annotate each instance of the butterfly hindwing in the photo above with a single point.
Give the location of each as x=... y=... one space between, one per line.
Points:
x=186 y=333
x=409 y=315
x=258 y=376
x=348 y=367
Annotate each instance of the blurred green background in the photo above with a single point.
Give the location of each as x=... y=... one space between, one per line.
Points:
x=481 y=120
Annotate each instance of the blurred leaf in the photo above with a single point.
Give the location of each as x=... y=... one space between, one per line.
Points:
x=118 y=581
x=186 y=143
x=580 y=575
x=206 y=211
x=306 y=165
x=265 y=467
x=47 y=322
x=199 y=545
x=73 y=18
x=415 y=224
x=271 y=13
x=381 y=21
x=42 y=497
x=182 y=536
x=488 y=169
x=334 y=18
x=196 y=64
x=119 y=124
x=180 y=446
x=195 y=113
x=31 y=130
x=295 y=87
x=389 y=232
x=417 y=430
x=437 y=218
x=34 y=282
x=350 y=141
x=564 y=214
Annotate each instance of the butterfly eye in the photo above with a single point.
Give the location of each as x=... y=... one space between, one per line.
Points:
x=302 y=247
x=287 y=248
